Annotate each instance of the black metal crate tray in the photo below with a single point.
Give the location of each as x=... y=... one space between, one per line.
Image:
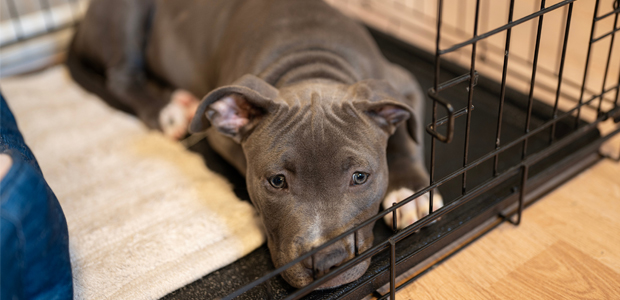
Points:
x=420 y=246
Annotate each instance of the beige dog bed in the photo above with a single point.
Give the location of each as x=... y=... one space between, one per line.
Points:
x=145 y=215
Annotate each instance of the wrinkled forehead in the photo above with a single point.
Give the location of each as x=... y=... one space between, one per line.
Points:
x=312 y=91
x=319 y=126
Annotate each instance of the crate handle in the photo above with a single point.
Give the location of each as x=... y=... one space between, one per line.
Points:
x=430 y=128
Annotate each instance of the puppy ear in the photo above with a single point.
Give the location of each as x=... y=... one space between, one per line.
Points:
x=385 y=105
x=388 y=114
x=235 y=109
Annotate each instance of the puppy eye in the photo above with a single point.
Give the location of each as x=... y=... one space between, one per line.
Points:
x=359 y=178
x=278 y=181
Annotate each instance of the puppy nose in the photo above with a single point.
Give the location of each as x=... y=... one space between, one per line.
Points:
x=325 y=260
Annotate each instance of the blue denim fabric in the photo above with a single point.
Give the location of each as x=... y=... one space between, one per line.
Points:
x=33 y=231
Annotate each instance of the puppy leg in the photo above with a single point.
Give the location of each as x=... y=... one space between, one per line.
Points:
x=407 y=176
x=159 y=107
x=113 y=38
x=412 y=211
x=175 y=117
x=406 y=157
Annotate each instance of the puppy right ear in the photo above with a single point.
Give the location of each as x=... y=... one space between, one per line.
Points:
x=235 y=109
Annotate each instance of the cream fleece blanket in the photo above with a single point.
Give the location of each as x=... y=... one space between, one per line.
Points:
x=145 y=216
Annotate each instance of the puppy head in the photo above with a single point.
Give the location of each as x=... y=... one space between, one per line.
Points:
x=316 y=163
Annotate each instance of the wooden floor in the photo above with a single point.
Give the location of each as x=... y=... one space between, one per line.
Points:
x=567 y=247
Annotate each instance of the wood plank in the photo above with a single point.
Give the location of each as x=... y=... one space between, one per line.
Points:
x=586 y=213
x=560 y=272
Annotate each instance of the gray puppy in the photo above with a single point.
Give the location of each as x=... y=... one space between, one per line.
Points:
x=305 y=106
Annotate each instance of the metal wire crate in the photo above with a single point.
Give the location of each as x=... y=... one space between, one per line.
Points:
x=509 y=120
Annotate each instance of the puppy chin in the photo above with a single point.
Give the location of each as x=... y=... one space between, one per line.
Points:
x=299 y=276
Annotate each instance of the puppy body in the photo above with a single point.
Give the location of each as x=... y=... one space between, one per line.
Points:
x=301 y=92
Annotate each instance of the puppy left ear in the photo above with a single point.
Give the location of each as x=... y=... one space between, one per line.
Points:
x=379 y=100
x=235 y=109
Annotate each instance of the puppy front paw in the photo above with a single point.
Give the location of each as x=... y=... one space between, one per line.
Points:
x=175 y=117
x=412 y=211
